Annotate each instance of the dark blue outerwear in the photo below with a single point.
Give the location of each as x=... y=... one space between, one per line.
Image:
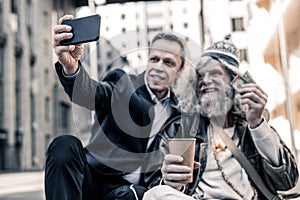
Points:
x=123 y=118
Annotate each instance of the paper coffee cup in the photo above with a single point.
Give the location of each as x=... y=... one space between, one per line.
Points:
x=184 y=147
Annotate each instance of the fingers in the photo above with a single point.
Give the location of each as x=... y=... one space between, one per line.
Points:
x=196 y=165
x=253 y=95
x=62 y=32
x=177 y=179
x=175 y=174
x=61 y=28
x=252 y=87
x=76 y=50
x=58 y=37
x=65 y=17
x=174 y=184
x=255 y=99
x=59 y=50
x=171 y=158
x=172 y=164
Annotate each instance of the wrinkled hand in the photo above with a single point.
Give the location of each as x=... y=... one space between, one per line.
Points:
x=68 y=56
x=174 y=174
x=256 y=99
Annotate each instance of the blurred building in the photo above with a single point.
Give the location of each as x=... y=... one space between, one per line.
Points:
x=282 y=52
x=223 y=17
x=131 y=26
x=33 y=108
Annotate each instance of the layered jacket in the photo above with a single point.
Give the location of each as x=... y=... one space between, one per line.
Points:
x=281 y=178
x=123 y=118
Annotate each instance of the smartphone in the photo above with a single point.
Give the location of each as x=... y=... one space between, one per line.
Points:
x=84 y=29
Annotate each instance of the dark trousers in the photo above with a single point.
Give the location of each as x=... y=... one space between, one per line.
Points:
x=68 y=176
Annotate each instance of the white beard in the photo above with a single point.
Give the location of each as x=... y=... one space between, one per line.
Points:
x=217 y=106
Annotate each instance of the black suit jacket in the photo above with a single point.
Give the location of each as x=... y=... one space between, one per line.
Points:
x=124 y=114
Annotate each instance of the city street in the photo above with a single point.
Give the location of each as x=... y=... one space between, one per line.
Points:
x=22 y=186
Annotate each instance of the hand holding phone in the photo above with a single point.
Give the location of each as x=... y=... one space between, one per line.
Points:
x=84 y=29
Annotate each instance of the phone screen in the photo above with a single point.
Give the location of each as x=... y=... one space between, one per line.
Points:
x=85 y=29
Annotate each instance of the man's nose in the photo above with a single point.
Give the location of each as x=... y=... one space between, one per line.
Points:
x=206 y=78
x=159 y=66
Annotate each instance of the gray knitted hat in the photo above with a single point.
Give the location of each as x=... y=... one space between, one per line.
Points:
x=224 y=50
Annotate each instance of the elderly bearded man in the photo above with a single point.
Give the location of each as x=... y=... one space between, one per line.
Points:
x=240 y=114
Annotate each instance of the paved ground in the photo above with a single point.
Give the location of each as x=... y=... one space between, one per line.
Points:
x=22 y=186
x=30 y=186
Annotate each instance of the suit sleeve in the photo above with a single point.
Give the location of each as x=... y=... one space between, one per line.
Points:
x=85 y=91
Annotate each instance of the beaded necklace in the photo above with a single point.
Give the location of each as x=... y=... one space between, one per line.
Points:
x=220 y=167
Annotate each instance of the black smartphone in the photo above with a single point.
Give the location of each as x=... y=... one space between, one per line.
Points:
x=84 y=29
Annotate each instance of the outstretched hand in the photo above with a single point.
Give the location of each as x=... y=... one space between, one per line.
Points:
x=68 y=56
x=174 y=173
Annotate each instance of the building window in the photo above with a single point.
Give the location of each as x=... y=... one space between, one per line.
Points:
x=154 y=29
x=47 y=109
x=32 y=106
x=244 y=55
x=64 y=116
x=46 y=78
x=18 y=88
x=46 y=47
x=185 y=25
x=1 y=101
x=156 y=15
x=47 y=141
x=123 y=16
x=45 y=19
x=123 y=30
x=237 y=24
x=1 y=62
x=109 y=55
x=13 y=6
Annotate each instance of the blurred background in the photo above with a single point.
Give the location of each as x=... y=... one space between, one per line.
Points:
x=34 y=108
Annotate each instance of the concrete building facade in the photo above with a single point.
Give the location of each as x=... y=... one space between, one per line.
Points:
x=131 y=26
x=33 y=109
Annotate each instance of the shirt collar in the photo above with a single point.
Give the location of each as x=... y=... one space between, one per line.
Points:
x=153 y=96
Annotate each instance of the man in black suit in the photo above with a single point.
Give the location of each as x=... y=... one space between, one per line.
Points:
x=129 y=111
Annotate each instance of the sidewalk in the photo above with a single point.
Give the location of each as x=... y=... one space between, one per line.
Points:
x=21 y=182
x=12 y=184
